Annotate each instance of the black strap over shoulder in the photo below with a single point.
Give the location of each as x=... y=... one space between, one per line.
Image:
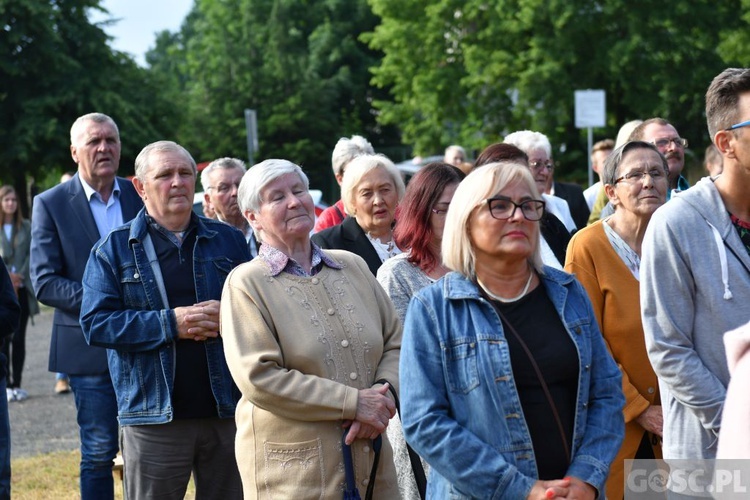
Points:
x=416 y=462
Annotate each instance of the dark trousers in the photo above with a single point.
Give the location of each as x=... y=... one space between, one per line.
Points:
x=14 y=347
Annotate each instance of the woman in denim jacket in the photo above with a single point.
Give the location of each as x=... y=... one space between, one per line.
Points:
x=508 y=390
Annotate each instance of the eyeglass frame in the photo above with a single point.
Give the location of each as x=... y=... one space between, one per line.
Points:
x=227 y=188
x=680 y=142
x=644 y=174
x=487 y=201
x=549 y=165
x=738 y=125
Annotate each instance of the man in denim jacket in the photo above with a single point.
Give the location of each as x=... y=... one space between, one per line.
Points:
x=151 y=295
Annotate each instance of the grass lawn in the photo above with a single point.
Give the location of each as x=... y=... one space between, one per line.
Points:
x=54 y=476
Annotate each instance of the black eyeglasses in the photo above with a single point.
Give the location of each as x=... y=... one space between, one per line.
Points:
x=679 y=142
x=656 y=174
x=502 y=208
x=738 y=125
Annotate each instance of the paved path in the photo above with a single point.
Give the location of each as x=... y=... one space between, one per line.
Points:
x=46 y=421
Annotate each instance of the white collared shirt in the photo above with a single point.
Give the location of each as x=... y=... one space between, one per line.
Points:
x=106 y=215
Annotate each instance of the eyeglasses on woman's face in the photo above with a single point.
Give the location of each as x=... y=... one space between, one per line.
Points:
x=503 y=208
x=656 y=174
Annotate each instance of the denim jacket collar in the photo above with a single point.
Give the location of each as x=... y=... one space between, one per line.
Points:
x=139 y=228
x=458 y=287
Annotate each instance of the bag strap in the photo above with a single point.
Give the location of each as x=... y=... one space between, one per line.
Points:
x=350 y=492
x=377 y=443
x=416 y=462
x=148 y=247
x=341 y=215
x=539 y=375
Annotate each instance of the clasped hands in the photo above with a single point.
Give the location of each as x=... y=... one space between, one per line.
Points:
x=374 y=410
x=198 y=322
x=567 y=488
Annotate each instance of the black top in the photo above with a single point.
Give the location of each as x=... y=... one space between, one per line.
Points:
x=573 y=194
x=191 y=396
x=535 y=319
x=351 y=237
x=555 y=234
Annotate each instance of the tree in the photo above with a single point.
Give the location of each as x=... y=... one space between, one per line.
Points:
x=55 y=66
x=299 y=64
x=472 y=71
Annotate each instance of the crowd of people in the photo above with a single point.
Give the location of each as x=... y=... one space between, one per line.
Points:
x=485 y=331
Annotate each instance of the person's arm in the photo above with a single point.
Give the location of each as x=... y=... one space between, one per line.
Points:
x=605 y=426
x=47 y=264
x=734 y=441
x=581 y=261
x=473 y=466
x=668 y=313
x=105 y=320
x=10 y=312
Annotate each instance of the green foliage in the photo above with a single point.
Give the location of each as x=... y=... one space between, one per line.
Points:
x=299 y=64
x=472 y=71
x=55 y=65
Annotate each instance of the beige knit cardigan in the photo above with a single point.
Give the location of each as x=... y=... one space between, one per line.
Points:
x=300 y=349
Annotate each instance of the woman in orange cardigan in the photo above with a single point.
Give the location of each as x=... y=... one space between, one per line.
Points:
x=605 y=257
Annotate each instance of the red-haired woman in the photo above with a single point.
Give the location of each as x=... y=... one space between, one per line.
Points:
x=419 y=232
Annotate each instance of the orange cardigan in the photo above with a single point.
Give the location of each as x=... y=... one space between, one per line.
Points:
x=615 y=296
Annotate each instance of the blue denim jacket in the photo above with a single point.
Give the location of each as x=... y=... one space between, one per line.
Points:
x=123 y=311
x=460 y=407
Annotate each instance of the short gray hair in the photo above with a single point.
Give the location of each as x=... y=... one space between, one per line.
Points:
x=347 y=149
x=357 y=169
x=528 y=141
x=220 y=164
x=258 y=177
x=482 y=183
x=454 y=147
x=143 y=158
x=613 y=161
x=91 y=117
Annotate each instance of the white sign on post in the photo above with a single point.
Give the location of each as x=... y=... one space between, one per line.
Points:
x=591 y=108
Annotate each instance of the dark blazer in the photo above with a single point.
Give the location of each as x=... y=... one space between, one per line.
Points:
x=573 y=194
x=349 y=236
x=555 y=234
x=63 y=231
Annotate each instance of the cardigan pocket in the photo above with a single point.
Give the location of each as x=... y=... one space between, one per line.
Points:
x=294 y=470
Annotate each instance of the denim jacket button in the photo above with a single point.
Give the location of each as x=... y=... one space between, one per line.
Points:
x=353 y=376
x=365 y=482
x=136 y=276
x=585 y=405
x=344 y=343
x=331 y=311
x=366 y=449
x=578 y=329
x=588 y=367
x=315 y=281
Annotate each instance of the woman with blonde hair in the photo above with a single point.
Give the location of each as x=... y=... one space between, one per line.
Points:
x=512 y=340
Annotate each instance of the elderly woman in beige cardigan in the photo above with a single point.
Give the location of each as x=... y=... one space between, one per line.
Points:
x=307 y=335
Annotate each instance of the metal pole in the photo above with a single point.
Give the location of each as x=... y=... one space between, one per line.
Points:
x=251 y=126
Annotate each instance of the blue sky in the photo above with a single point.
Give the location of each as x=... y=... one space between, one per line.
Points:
x=140 y=20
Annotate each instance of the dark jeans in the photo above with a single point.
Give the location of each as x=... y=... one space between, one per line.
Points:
x=17 y=355
x=97 y=422
x=4 y=442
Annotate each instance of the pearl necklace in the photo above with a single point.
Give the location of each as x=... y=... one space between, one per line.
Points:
x=503 y=299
